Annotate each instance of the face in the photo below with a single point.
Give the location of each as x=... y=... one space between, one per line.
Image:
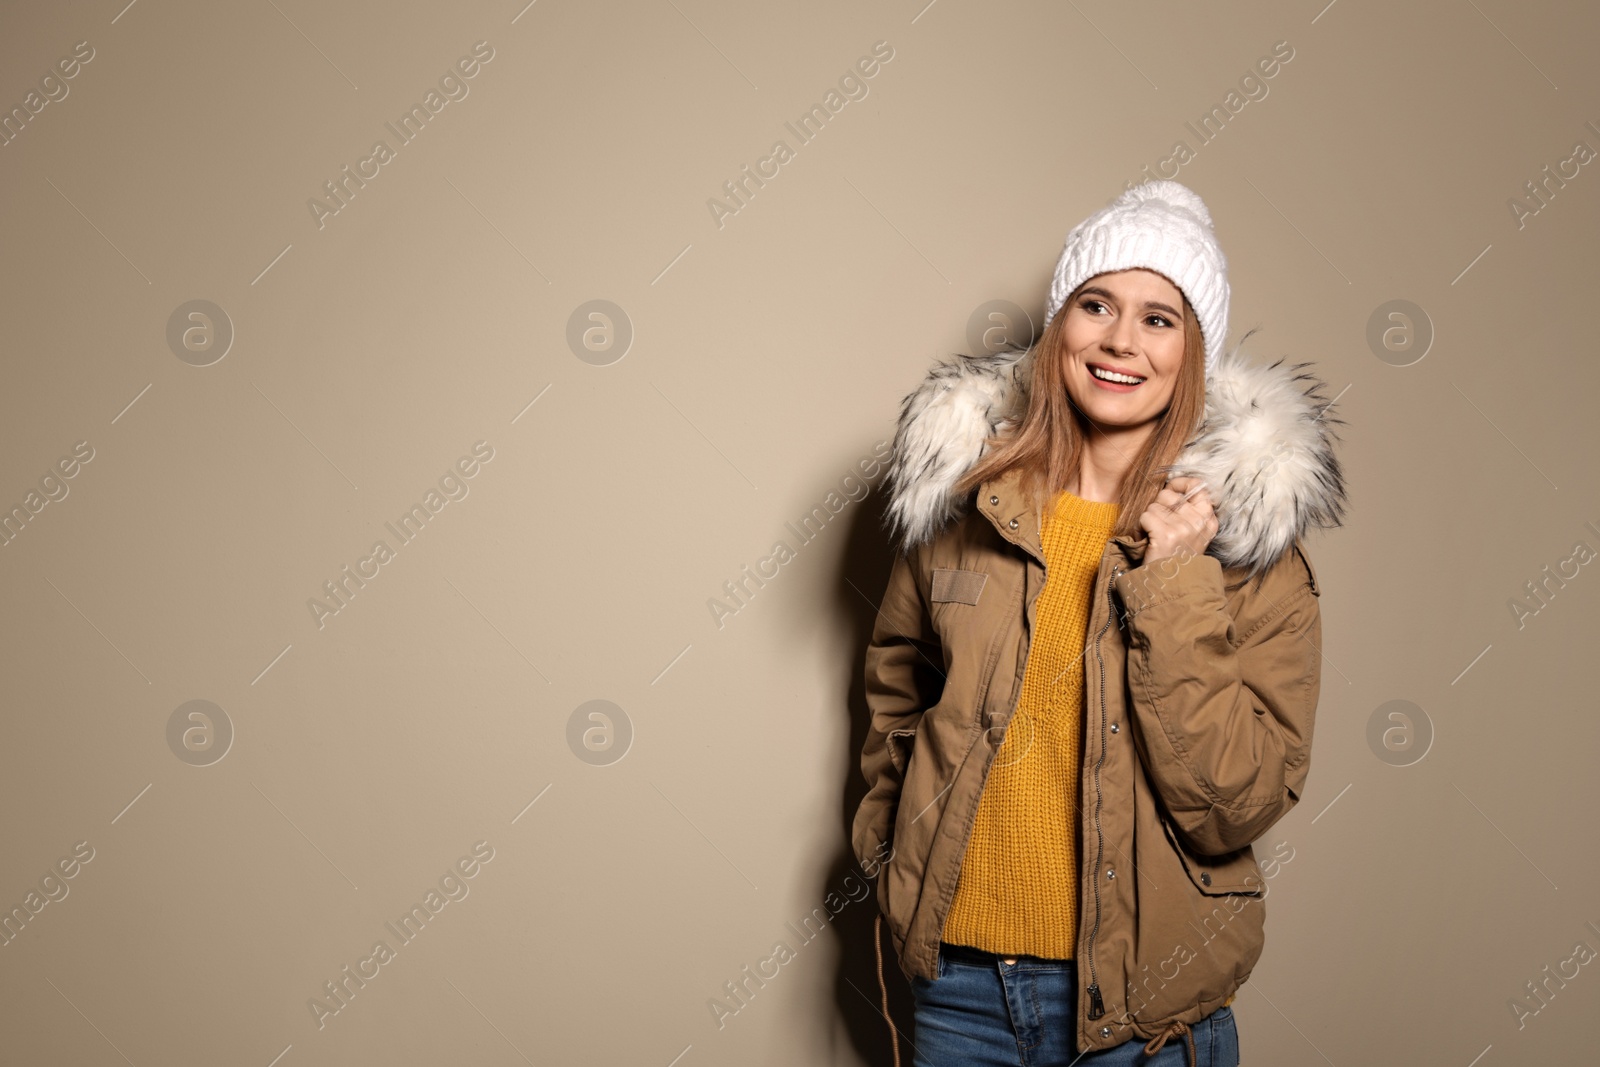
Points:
x=1130 y=323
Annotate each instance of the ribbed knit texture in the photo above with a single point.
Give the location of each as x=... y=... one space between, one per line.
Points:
x=1017 y=893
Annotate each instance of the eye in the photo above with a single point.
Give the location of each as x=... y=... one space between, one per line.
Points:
x=1089 y=303
x=1160 y=318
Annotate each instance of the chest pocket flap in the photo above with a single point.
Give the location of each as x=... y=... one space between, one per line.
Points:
x=957 y=586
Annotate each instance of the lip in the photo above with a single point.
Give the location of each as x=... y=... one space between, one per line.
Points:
x=1114 y=387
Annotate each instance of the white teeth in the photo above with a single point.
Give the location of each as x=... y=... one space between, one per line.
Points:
x=1113 y=376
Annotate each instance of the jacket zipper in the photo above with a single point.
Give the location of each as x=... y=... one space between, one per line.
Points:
x=1097 y=1006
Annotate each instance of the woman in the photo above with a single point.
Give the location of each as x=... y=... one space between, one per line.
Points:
x=1092 y=685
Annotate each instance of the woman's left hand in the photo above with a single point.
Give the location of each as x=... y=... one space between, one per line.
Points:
x=1179 y=529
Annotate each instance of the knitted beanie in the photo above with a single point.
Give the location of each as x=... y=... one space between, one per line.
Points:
x=1160 y=225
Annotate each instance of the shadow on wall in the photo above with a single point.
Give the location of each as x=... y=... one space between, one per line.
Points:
x=868 y=558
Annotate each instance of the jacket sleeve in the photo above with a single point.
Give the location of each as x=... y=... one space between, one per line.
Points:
x=1223 y=708
x=904 y=677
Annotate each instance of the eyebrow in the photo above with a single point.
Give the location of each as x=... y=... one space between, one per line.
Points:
x=1158 y=305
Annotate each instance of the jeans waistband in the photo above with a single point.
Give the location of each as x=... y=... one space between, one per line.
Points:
x=982 y=957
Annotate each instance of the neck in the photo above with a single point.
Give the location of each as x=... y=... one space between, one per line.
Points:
x=1108 y=452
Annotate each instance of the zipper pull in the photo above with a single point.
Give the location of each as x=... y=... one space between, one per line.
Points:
x=1097 y=1007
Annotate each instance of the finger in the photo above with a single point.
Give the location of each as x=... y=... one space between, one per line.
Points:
x=1186 y=511
x=1171 y=499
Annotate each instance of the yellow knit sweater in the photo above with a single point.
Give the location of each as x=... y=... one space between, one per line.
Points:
x=1017 y=893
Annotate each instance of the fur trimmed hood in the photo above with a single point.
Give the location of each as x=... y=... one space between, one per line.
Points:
x=1265 y=449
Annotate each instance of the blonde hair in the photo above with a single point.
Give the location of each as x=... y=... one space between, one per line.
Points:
x=1047 y=443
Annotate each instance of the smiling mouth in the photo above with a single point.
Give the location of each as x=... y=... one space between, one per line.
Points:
x=1118 y=377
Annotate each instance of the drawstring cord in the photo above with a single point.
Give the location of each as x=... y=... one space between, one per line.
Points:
x=877 y=944
x=1178 y=1027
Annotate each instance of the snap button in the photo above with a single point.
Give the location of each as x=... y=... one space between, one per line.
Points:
x=1114 y=728
x=994 y=500
x=1205 y=876
x=1105 y=1031
x=1012 y=524
x=1111 y=872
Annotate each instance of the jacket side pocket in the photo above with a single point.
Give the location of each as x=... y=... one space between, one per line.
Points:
x=900 y=743
x=1215 y=876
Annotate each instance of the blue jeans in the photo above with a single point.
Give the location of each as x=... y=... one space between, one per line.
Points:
x=985 y=1011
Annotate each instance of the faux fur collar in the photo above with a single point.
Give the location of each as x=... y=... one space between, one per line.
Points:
x=1265 y=450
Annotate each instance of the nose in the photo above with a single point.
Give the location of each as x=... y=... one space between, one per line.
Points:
x=1121 y=335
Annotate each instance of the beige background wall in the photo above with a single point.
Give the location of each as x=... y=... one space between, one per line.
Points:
x=344 y=766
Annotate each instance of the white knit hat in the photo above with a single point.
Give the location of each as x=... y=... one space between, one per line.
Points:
x=1163 y=226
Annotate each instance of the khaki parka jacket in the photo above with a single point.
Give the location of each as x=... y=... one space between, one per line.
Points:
x=1201 y=681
